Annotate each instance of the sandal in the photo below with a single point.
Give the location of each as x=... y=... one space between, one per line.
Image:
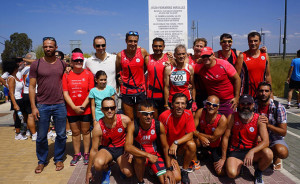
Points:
x=39 y=169
x=278 y=166
x=59 y=166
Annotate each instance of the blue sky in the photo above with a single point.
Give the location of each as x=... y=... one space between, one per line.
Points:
x=83 y=19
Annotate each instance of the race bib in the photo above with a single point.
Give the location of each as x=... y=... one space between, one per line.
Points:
x=178 y=78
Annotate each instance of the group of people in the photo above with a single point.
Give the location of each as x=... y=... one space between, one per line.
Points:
x=217 y=104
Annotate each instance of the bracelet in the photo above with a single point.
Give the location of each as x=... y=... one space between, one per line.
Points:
x=166 y=105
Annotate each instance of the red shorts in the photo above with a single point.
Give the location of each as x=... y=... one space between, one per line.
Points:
x=158 y=167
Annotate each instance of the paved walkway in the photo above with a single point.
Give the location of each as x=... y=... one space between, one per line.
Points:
x=18 y=160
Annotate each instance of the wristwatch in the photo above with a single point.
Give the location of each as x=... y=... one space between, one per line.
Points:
x=170 y=168
x=176 y=142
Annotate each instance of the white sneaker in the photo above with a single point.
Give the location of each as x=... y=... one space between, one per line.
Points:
x=34 y=136
x=69 y=132
x=20 y=137
x=49 y=135
x=28 y=133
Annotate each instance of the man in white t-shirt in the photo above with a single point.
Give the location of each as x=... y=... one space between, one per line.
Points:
x=102 y=60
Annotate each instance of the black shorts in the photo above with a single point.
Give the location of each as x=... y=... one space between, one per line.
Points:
x=114 y=151
x=82 y=118
x=27 y=105
x=238 y=154
x=294 y=84
x=158 y=103
x=133 y=99
x=215 y=153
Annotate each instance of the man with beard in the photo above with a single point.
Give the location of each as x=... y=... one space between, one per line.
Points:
x=210 y=127
x=276 y=123
x=143 y=140
x=179 y=125
x=47 y=73
x=244 y=127
x=109 y=132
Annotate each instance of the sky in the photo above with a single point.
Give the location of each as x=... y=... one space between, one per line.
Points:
x=83 y=19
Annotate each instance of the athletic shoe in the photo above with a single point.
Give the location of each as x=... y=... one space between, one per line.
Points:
x=69 y=132
x=75 y=159
x=49 y=134
x=288 y=106
x=142 y=182
x=258 y=177
x=86 y=158
x=34 y=136
x=105 y=177
x=28 y=133
x=185 y=177
x=19 y=136
x=194 y=165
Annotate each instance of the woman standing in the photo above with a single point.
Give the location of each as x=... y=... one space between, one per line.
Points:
x=76 y=85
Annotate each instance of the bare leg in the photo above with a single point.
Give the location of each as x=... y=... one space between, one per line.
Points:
x=75 y=126
x=233 y=167
x=125 y=167
x=189 y=153
x=31 y=124
x=85 y=129
x=264 y=158
x=139 y=167
x=128 y=110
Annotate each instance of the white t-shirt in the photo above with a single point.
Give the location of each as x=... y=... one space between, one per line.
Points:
x=6 y=74
x=108 y=65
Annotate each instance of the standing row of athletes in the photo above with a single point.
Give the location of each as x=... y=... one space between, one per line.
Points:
x=173 y=84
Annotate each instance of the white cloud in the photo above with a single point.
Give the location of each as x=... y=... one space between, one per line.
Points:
x=79 y=31
x=118 y=35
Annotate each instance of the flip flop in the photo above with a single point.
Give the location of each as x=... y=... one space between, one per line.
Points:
x=39 y=169
x=59 y=166
x=278 y=166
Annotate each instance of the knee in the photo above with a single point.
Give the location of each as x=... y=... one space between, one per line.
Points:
x=268 y=154
x=75 y=133
x=231 y=173
x=139 y=161
x=99 y=164
x=281 y=152
x=191 y=146
x=127 y=172
x=85 y=131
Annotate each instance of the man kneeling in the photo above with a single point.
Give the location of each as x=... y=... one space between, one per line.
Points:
x=111 y=129
x=149 y=135
x=244 y=127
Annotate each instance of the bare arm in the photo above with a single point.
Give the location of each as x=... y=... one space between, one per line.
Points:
x=280 y=129
x=69 y=101
x=167 y=72
x=11 y=87
x=219 y=131
x=118 y=63
x=192 y=82
x=290 y=74
x=268 y=73
x=236 y=80
x=239 y=63
x=93 y=108
x=3 y=82
x=227 y=135
x=32 y=86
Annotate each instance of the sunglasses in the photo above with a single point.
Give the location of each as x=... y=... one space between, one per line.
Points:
x=213 y=104
x=133 y=33
x=246 y=104
x=102 y=45
x=205 y=56
x=112 y=108
x=78 y=61
x=226 y=41
x=49 y=38
x=146 y=113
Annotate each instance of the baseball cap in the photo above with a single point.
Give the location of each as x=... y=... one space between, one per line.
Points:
x=77 y=55
x=246 y=99
x=206 y=51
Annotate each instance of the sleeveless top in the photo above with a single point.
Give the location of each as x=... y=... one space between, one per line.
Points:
x=231 y=59
x=155 y=79
x=18 y=88
x=244 y=136
x=113 y=137
x=209 y=129
x=179 y=82
x=132 y=73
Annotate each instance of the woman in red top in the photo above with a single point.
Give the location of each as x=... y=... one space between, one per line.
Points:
x=76 y=86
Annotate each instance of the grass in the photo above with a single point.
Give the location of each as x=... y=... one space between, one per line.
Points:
x=279 y=70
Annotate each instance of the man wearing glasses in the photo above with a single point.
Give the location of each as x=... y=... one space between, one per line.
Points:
x=179 y=125
x=219 y=78
x=130 y=63
x=47 y=73
x=102 y=60
x=244 y=127
x=210 y=127
x=150 y=146
x=110 y=134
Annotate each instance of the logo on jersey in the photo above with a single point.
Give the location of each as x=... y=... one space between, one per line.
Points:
x=104 y=131
x=120 y=130
x=247 y=59
x=163 y=63
x=213 y=129
x=83 y=79
x=237 y=123
x=79 y=95
x=251 y=129
x=263 y=57
x=137 y=60
x=152 y=132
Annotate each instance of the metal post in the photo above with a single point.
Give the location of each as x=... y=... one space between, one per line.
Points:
x=279 y=36
x=284 y=37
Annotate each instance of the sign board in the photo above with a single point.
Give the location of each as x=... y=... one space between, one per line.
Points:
x=168 y=20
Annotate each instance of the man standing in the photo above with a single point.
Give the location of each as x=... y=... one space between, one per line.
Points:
x=210 y=127
x=294 y=79
x=110 y=134
x=155 y=79
x=47 y=73
x=220 y=79
x=102 y=60
x=132 y=66
x=179 y=125
x=149 y=134
x=244 y=127
x=257 y=63
x=275 y=122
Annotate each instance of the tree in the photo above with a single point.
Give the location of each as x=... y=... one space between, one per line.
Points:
x=18 y=45
x=39 y=51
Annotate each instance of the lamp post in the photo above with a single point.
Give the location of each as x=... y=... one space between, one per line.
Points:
x=279 y=36
x=284 y=34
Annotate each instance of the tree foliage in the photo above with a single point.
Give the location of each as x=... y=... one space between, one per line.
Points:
x=18 y=45
x=39 y=51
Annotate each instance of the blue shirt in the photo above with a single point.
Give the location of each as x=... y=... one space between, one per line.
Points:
x=99 y=96
x=296 y=71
